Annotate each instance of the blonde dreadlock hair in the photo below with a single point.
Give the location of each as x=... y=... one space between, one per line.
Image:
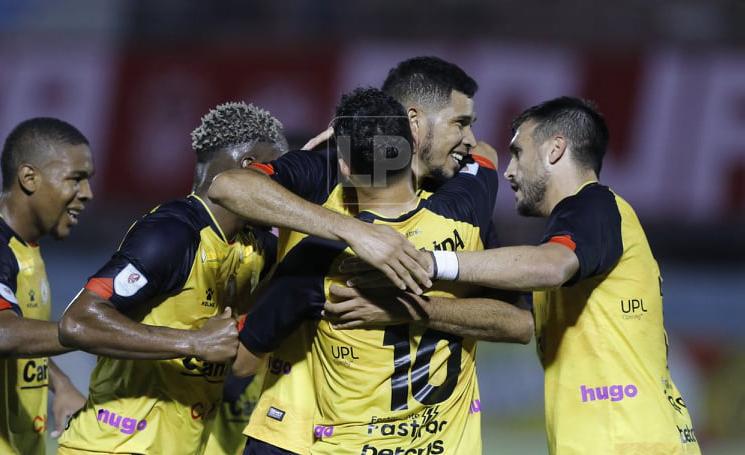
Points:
x=232 y=124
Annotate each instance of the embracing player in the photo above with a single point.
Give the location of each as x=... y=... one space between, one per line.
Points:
x=368 y=382
x=437 y=96
x=158 y=313
x=597 y=295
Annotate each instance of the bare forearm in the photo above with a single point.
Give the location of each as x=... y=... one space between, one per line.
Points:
x=246 y=362
x=22 y=337
x=98 y=328
x=58 y=380
x=261 y=200
x=518 y=267
x=479 y=318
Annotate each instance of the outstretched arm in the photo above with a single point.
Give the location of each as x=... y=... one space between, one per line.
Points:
x=22 y=337
x=546 y=266
x=259 y=199
x=94 y=325
x=516 y=268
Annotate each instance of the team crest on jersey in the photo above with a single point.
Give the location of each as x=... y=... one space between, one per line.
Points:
x=129 y=281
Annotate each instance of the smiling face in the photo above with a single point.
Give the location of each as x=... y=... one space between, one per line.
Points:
x=62 y=189
x=447 y=138
x=527 y=172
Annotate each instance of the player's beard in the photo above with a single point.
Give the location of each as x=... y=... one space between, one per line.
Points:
x=435 y=174
x=533 y=194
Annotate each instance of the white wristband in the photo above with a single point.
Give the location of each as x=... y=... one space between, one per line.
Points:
x=446 y=265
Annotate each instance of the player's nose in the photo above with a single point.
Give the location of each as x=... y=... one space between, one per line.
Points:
x=86 y=192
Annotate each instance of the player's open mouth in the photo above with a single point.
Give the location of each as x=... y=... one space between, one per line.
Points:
x=457 y=157
x=73 y=215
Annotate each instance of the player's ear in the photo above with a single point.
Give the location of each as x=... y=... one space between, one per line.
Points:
x=28 y=178
x=416 y=122
x=558 y=145
x=246 y=160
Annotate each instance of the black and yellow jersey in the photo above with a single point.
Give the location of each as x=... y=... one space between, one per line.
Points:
x=601 y=338
x=240 y=396
x=23 y=382
x=399 y=388
x=176 y=269
x=283 y=416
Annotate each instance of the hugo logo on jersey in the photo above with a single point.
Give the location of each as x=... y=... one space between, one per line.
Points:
x=127 y=425
x=275 y=365
x=614 y=392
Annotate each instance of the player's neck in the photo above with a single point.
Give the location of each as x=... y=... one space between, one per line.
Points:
x=19 y=216
x=564 y=187
x=230 y=223
x=394 y=199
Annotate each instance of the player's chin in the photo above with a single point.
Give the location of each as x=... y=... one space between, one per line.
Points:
x=526 y=208
x=450 y=169
x=61 y=230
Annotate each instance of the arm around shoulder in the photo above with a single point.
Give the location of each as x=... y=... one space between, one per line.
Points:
x=522 y=268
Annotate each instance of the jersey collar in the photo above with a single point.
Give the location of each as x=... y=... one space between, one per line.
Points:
x=4 y=226
x=215 y=224
x=370 y=216
x=584 y=185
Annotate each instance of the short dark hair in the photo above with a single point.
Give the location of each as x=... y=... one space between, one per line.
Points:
x=30 y=138
x=364 y=115
x=427 y=81
x=578 y=119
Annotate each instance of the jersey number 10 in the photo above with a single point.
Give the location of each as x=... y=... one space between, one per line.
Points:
x=422 y=391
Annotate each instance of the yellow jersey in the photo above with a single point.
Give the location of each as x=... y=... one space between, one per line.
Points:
x=239 y=400
x=240 y=395
x=24 y=383
x=175 y=268
x=397 y=389
x=601 y=338
x=283 y=416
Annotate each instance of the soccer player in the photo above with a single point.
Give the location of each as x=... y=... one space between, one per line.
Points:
x=598 y=297
x=438 y=97
x=365 y=399
x=46 y=166
x=158 y=313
